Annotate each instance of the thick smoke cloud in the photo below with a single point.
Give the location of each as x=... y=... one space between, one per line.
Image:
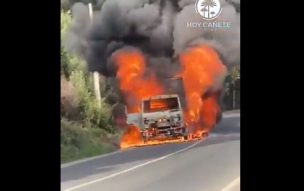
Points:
x=76 y=40
x=157 y=27
x=227 y=42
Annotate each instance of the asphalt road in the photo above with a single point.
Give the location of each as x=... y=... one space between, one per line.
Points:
x=212 y=164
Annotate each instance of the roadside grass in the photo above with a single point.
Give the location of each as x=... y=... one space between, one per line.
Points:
x=78 y=142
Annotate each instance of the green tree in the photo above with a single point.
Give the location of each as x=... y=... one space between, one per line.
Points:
x=69 y=62
x=235 y=73
x=232 y=77
x=65 y=21
x=92 y=115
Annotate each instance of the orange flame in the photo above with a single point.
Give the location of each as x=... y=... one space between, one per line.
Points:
x=201 y=67
x=131 y=137
x=158 y=104
x=135 y=85
x=132 y=82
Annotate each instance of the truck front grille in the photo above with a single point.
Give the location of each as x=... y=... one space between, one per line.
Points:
x=163 y=128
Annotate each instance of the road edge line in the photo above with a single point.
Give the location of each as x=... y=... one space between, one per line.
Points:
x=232 y=184
x=133 y=168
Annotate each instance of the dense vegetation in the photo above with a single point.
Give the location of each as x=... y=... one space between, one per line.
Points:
x=86 y=129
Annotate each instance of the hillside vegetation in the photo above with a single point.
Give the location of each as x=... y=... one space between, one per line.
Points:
x=86 y=129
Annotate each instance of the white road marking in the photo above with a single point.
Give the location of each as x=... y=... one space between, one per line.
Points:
x=132 y=168
x=232 y=185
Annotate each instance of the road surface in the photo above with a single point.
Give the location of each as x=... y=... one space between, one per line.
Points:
x=212 y=164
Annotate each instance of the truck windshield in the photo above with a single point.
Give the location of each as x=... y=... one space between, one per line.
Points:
x=156 y=105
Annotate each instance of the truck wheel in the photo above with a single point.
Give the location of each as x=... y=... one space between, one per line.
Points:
x=146 y=139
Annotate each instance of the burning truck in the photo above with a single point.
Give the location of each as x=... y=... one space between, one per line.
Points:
x=185 y=106
x=138 y=43
x=161 y=117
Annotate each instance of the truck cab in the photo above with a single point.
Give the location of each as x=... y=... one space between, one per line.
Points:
x=161 y=116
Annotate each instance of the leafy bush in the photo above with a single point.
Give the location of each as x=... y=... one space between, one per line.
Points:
x=78 y=142
x=92 y=115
